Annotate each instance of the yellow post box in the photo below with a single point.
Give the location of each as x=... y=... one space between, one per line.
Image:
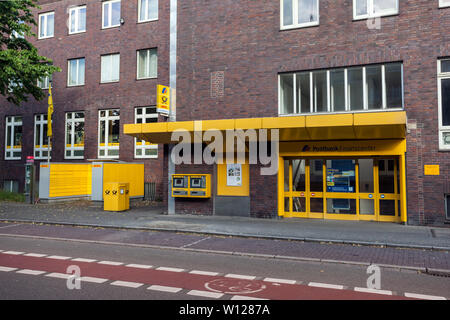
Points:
x=116 y=197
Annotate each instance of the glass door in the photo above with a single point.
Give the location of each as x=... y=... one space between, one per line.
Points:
x=388 y=189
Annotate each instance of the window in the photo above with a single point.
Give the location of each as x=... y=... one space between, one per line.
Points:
x=147 y=63
x=77 y=20
x=299 y=13
x=363 y=9
x=13 y=143
x=110 y=68
x=111 y=14
x=374 y=87
x=109 y=133
x=148 y=10
x=444 y=103
x=46 y=25
x=447 y=206
x=75 y=74
x=74 y=135
x=444 y=3
x=142 y=148
x=11 y=186
x=40 y=137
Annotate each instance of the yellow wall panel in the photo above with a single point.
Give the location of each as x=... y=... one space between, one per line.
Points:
x=70 y=180
x=224 y=190
x=126 y=172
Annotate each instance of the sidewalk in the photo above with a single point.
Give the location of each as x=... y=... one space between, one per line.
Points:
x=148 y=217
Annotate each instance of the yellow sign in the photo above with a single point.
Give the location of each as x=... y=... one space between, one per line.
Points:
x=163 y=99
x=431 y=170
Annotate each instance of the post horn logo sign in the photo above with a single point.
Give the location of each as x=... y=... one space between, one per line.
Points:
x=163 y=99
x=306 y=148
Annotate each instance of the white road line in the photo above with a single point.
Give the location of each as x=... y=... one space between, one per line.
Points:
x=325 y=285
x=170 y=269
x=83 y=260
x=126 y=284
x=16 y=253
x=423 y=296
x=164 y=289
x=31 y=272
x=7 y=269
x=58 y=257
x=246 y=298
x=111 y=263
x=279 y=280
x=35 y=255
x=139 y=266
x=239 y=276
x=204 y=273
x=367 y=290
x=59 y=275
x=205 y=294
x=93 y=279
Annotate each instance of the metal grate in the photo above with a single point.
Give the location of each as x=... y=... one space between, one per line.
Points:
x=150 y=191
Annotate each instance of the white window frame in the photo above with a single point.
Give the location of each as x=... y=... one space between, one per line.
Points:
x=76 y=12
x=107 y=146
x=110 y=2
x=39 y=149
x=371 y=13
x=142 y=144
x=444 y=3
x=70 y=145
x=347 y=100
x=78 y=67
x=111 y=65
x=146 y=12
x=12 y=122
x=147 y=63
x=442 y=129
x=43 y=82
x=295 y=23
x=44 y=27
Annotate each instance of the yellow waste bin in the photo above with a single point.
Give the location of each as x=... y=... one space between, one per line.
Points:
x=116 y=196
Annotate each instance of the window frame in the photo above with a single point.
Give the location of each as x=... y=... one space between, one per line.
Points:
x=295 y=24
x=441 y=128
x=139 y=12
x=142 y=144
x=72 y=147
x=13 y=122
x=114 y=145
x=41 y=120
x=109 y=56
x=78 y=67
x=148 y=63
x=110 y=2
x=443 y=4
x=46 y=14
x=77 y=13
x=370 y=14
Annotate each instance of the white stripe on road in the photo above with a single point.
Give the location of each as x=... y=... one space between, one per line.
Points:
x=239 y=276
x=367 y=290
x=246 y=298
x=93 y=279
x=7 y=269
x=325 y=285
x=111 y=263
x=58 y=257
x=164 y=289
x=279 y=280
x=170 y=269
x=205 y=294
x=35 y=255
x=59 y=275
x=139 y=266
x=31 y=272
x=83 y=260
x=16 y=253
x=204 y=273
x=423 y=296
x=126 y=284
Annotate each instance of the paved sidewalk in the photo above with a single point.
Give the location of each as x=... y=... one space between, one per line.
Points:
x=149 y=217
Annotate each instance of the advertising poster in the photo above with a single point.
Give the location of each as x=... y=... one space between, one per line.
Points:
x=234 y=175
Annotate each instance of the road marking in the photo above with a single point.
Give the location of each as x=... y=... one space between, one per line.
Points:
x=279 y=280
x=93 y=279
x=325 y=285
x=58 y=257
x=195 y=242
x=246 y=298
x=35 y=255
x=31 y=272
x=423 y=296
x=204 y=273
x=126 y=284
x=16 y=253
x=170 y=269
x=205 y=294
x=84 y=260
x=111 y=263
x=368 y=290
x=59 y=275
x=239 y=276
x=7 y=269
x=139 y=266
x=164 y=289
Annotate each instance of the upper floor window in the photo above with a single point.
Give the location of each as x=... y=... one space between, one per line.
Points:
x=148 y=10
x=75 y=74
x=77 y=19
x=110 y=68
x=363 y=9
x=444 y=103
x=299 y=13
x=74 y=135
x=373 y=87
x=147 y=63
x=111 y=14
x=13 y=143
x=46 y=25
x=444 y=3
